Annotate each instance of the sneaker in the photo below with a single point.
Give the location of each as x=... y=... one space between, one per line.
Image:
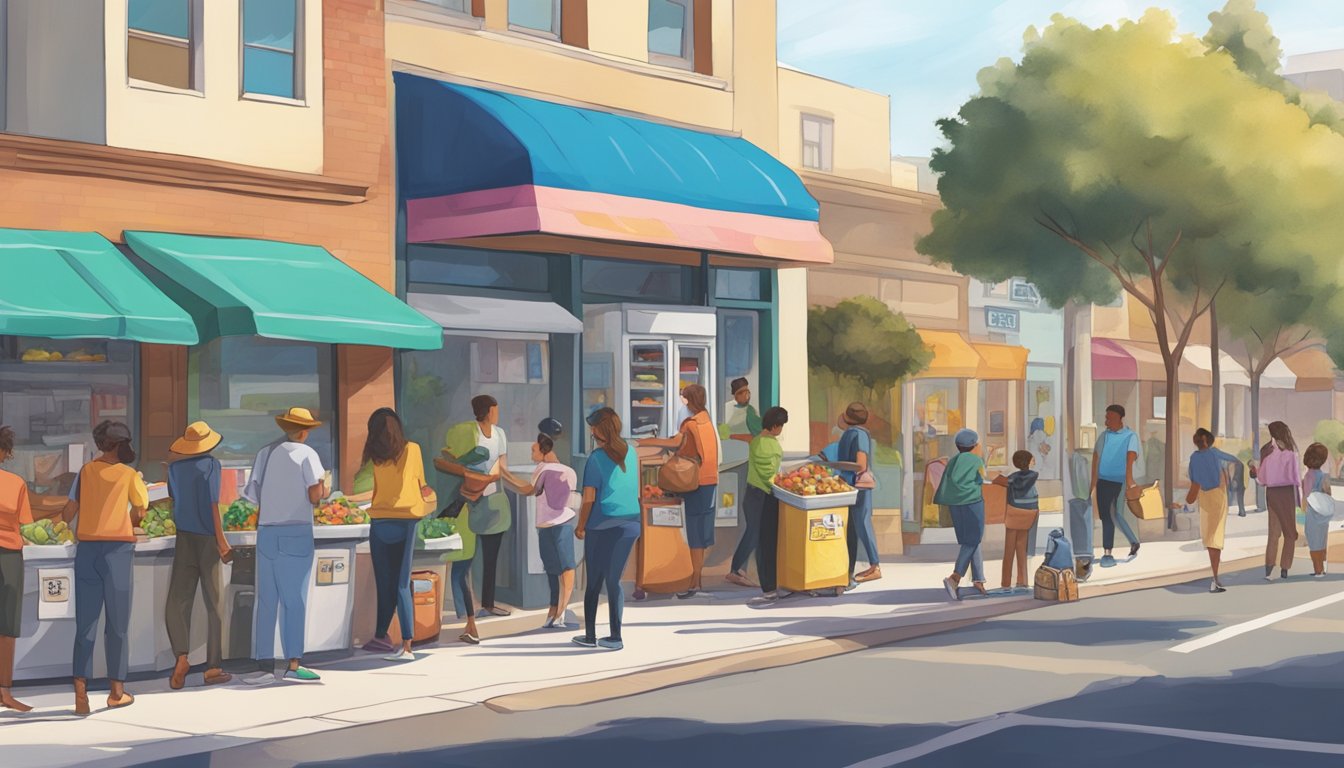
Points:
x=769 y=598
x=688 y=594
x=1269 y=576
x=1320 y=575
x=260 y=679
x=584 y=641
x=1215 y=588
x=550 y=624
x=1134 y=549
x=379 y=645
x=1107 y=561
x=401 y=655
x=302 y=675
x=739 y=579
x=951 y=587
x=610 y=643
x=851 y=586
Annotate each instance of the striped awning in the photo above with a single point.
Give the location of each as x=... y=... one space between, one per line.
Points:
x=1126 y=360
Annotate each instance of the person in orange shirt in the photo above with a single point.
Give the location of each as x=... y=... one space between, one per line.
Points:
x=110 y=498
x=699 y=439
x=14 y=512
x=400 y=497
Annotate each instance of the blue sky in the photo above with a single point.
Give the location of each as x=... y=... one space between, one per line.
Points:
x=925 y=53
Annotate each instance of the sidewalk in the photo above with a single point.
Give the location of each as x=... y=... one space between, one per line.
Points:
x=667 y=641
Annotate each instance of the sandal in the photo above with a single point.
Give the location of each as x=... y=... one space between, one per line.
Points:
x=872 y=574
x=469 y=638
x=126 y=700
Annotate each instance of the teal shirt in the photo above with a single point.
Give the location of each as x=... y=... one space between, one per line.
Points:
x=615 y=490
x=963 y=481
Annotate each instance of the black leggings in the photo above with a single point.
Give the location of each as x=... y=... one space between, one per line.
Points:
x=490 y=543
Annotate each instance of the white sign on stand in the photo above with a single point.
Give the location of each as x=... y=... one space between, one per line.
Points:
x=56 y=593
x=725 y=511
x=333 y=567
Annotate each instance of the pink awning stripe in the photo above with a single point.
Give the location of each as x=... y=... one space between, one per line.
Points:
x=528 y=209
x=1110 y=362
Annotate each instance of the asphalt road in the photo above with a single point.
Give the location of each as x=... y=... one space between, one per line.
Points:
x=1162 y=677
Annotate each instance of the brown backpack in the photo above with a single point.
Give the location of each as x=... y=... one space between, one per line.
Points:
x=1056 y=585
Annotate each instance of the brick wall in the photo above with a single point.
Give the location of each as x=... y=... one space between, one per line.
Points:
x=357 y=150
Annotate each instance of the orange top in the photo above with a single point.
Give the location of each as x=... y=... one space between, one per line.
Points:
x=702 y=441
x=106 y=493
x=14 y=510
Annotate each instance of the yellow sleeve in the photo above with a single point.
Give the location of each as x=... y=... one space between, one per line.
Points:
x=139 y=494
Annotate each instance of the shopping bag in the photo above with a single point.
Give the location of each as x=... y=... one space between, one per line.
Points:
x=1147 y=502
x=680 y=473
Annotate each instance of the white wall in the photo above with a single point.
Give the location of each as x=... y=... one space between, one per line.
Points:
x=792 y=353
x=216 y=122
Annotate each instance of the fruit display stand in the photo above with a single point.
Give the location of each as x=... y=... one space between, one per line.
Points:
x=813 y=554
x=662 y=556
x=48 y=638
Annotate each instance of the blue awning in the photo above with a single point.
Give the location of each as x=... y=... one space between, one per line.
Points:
x=475 y=162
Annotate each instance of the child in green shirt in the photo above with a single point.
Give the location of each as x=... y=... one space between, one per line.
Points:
x=761 y=534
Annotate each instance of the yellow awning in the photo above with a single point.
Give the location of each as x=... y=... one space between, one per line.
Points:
x=953 y=356
x=1000 y=362
x=1314 y=370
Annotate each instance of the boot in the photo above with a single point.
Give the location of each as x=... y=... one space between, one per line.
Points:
x=81 y=696
x=7 y=699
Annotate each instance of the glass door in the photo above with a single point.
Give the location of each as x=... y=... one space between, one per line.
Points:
x=649 y=390
x=692 y=368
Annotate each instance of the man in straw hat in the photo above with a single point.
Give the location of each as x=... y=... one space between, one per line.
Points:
x=193 y=485
x=287 y=481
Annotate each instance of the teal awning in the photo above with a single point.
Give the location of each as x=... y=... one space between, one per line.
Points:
x=236 y=287
x=74 y=285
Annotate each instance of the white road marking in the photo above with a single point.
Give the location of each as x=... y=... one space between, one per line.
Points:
x=993 y=725
x=1228 y=633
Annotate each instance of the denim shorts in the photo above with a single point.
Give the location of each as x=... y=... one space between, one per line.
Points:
x=556 y=546
x=699 y=506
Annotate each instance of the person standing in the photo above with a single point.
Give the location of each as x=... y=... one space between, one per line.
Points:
x=743 y=422
x=1023 y=511
x=287 y=481
x=1318 y=524
x=400 y=500
x=110 y=498
x=477 y=451
x=760 y=504
x=1277 y=473
x=699 y=440
x=15 y=512
x=199 y=551
x=1112 y=477
x=608 y=525
x=555 y=486
x=854 y=457
x=1208 y=486
x=962 y=490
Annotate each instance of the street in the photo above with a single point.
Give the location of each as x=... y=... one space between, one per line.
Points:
x=1173 y=676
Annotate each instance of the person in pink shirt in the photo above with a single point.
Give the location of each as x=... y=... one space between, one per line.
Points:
x=1278 y=473
x=555 y=485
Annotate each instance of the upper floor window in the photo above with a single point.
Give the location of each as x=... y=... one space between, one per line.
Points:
x=161 y=41
x=672 y=32
x=272 y=44
x=456 y=6
x=1025 y=292
x=540 y=17
x=818 y=138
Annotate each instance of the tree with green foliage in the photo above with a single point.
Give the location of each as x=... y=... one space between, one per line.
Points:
x=1128 y=159
x=863 y=340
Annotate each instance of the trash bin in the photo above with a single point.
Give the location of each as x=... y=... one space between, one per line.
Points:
x=427 y=599
x=662 y=562
x=812 y=550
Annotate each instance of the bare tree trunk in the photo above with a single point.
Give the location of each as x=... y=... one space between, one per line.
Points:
x=1169 y=469
x=1217 y=368
x=1255 y=373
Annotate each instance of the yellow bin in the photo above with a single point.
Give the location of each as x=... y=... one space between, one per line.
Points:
x=812 y=549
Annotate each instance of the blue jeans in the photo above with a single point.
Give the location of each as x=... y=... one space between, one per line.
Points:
x=606 y=551
x=860 y=533
x=968 y=520
x=751 y=535
x=459 y=579
x=103 y=584
x=284 y=568
x=391 y=545
x=1109 y=494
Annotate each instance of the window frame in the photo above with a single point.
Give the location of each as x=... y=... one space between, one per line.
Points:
x=300 y=73
x=825 y=141
x=194 y=43
x=687 y=60
x=557 y=23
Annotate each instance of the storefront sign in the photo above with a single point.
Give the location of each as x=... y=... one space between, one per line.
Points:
x=998 y=319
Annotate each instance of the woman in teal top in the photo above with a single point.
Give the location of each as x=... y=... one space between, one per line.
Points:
x=608 y=524
x=962 y=490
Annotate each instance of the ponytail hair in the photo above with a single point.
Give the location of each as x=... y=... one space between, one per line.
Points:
x=607 y=429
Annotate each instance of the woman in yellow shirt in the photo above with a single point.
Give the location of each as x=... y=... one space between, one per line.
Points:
x=110 y=498
x=400 y=500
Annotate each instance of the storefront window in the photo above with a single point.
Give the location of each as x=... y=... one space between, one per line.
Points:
x=239 y=383
x=1043 y=428
x=640 y=281
x=937 y=417
x=739 y=342
x=996 y=439
x=52 y=393
x=437 y=387
x=475 y=268
x=740 y=284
